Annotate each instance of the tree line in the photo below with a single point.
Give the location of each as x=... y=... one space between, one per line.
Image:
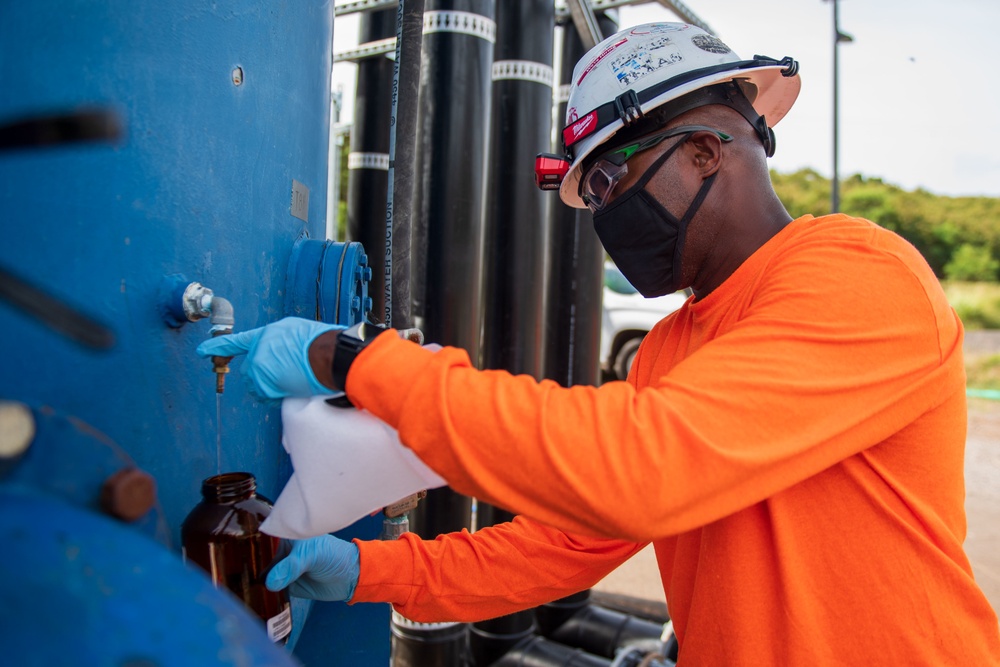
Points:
x=959 y=236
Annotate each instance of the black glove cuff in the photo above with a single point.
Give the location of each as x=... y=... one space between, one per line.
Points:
x=350 y=342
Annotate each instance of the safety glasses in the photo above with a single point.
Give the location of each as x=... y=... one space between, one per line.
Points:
x=599 y=182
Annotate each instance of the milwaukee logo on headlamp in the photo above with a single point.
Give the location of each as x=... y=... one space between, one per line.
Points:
x=550 y=170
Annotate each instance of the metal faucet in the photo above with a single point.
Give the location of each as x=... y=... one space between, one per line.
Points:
x=198 y=302
x=222 y=320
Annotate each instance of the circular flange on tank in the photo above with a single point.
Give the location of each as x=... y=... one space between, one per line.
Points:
x=328 y=281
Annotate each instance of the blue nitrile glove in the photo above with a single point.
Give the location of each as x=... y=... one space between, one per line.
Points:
x=277 y=363
x=320 y=568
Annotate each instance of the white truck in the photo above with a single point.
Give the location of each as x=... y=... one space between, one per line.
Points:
x=626 y=319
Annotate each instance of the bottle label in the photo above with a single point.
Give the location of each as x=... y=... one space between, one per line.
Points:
x=279 y=626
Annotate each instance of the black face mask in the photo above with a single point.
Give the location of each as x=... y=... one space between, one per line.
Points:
x=643 y=238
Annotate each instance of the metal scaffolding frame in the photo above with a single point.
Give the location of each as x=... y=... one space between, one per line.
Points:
x=580 y=11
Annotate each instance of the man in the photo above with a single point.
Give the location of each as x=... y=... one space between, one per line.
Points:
x=791 y=440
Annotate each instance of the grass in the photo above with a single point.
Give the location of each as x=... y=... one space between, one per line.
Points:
x=983 y=372
x=978 y=304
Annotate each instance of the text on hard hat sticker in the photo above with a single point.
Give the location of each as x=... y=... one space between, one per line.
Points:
x=633 y=64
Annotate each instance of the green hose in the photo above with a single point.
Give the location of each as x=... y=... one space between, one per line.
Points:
x=992 y=394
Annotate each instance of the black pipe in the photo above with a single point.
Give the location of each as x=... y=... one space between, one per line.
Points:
x=573 y=323
x=515 y=218
x=449 y=200
x=442 y=511
x=585 y=620
x=491 y=640
x=574 y=296
x=550 y=616
x=603 y=631
x=368 y=161
x=515 y=236
x=516 y=209
x=428 y=644
x=405 y=247
x=541 y=652
x=650 y=610
x=398 y=247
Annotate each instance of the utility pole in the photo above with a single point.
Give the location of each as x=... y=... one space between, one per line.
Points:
x=838 y=37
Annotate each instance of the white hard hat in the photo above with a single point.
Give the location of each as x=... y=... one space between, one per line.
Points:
x=639 y=69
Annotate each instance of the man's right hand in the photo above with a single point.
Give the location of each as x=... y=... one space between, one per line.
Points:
x=319 y=568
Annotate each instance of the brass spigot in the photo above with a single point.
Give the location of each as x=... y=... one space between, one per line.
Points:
x=222 y=324
x=197 y=302
x=220 y=366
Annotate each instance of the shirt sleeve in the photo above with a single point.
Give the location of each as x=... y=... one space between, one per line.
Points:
x=841 y=347
x=495 y=571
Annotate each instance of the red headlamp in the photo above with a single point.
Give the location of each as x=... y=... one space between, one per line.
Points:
x=550 y=170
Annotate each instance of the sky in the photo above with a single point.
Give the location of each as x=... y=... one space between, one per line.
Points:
x=919 y=98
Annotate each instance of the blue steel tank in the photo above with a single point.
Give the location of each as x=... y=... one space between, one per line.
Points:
x=146 y=148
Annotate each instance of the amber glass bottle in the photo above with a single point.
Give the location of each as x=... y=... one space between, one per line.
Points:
x=222 y=536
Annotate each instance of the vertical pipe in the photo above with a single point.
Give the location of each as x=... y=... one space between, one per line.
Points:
x=576 y=257
x=427 y=644
x=368 y=161
x=449 y=200
x=402 y=170
x=575 y=290
x=516 y=228
x=333 y=176
x=445 y=281
x=516 y=236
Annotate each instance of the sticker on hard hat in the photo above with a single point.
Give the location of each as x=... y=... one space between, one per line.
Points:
x=633 y=64
x=600 y=56
x=656 y=28
x=710 y=43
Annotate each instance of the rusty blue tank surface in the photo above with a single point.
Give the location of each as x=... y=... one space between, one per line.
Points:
x=145 y=147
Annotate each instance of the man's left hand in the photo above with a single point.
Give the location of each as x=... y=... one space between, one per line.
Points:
x=277 y=364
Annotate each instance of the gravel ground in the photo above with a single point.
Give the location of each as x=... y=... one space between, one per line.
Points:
x=640 y=578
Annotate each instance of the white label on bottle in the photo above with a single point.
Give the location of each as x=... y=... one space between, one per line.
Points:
x=279 y=626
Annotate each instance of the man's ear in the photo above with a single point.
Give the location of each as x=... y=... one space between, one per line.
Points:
x=706 y=152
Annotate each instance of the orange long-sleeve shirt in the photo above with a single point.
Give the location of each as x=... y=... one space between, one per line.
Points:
x=792 y=444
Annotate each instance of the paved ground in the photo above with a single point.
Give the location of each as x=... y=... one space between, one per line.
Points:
x=639 y=577
x=982 y=495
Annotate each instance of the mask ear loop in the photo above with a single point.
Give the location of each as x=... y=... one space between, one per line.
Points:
x=682 y=225
x=700 y=196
